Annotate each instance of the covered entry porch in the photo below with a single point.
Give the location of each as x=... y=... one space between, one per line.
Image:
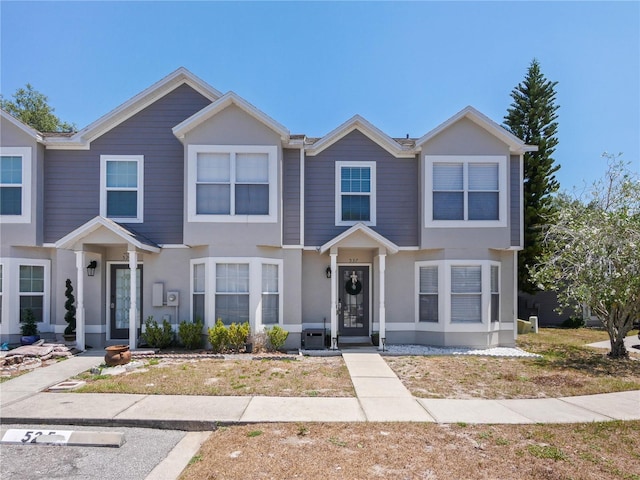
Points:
x=357 y=263
x=90 y=244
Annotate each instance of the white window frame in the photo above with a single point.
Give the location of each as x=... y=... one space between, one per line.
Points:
x=444 y=323
x=232 y=150
x=11 y=294
x=338 y=193
x=255 y=288
x=26 y=185
x=139 y=159
x=466 y=160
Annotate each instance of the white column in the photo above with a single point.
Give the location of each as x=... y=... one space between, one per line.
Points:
x=80 y=318
x=382 y=312
x=334 y=300
x=133 y=302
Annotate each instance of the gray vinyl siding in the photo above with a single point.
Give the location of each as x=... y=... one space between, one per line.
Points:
x=72 y=186
x=291 y=197
x=396 y=191
x=514 y=200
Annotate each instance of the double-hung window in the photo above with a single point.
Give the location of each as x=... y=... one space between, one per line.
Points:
x=32 y=291
x=355 y=193
x=232 y=183
x=466 y=294
x=428 y=294
x=495 y=293
x=465 y=191
x=198 y=292
x=270 y=294
x=232 y=292
x=15 y=181
x=121 y=187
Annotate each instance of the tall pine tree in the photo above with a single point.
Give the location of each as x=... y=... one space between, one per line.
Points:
x=532 y=118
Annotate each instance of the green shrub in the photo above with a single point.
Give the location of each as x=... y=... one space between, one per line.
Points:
x=157 y=336
x=191 y=334
x=238 y=334
x=218 y=337
x=277 y=336
x=29 y=326
x=573 y=322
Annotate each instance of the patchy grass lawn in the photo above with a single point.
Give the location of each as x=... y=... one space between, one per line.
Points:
x=420 y=451
x=566 y=368
x=295 y=377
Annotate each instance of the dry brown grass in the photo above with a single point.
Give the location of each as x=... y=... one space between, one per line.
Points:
x=566 y=368
x=599 y=451
x=294 y=377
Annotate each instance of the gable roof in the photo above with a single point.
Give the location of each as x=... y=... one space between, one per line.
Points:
x=368 y=129
x=82 y=139
x=126 y=235
x=367 y=231
x=219 y=105
x=7 y=117
x=515 y=144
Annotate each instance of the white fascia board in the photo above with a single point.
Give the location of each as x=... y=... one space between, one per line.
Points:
x=515 y=144
x=366 y=128
x=222 y=103
x=22 y=126
x=361 y=227
x=71 y=238
x=82 y=138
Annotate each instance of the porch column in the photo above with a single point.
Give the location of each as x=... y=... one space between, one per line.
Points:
x=381 y=309
x=80 y=269
x=133 y=302
x=334 y=300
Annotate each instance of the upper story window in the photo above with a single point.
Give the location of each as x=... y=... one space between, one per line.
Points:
x=121 y=187
x=232 y=183
x=15 y=183
x=465 y=191
x=355 y=193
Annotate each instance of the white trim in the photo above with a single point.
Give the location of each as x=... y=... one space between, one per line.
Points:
x=255 y=288
x=68 y=241
x=27 y=187
x=82 y=139
x=366 y=128
x=192 y=167
x=139 y=159
x=444 y=323
x=515 y=144
x=170 y=246
x=10 y=297
x=222 y=103
x=33 y=133
x=358 y=227
x=339 y=165
x=465 y=160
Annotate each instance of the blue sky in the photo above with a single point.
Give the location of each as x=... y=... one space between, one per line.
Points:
x=406 y=67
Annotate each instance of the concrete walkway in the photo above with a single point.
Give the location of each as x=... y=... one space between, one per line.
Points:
x=380 y=397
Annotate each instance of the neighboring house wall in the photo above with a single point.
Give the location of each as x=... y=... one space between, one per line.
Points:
x=72 y=190
x=396 y=191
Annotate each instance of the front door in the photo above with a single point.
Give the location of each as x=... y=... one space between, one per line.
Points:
x=353 y=301
x=121 y=299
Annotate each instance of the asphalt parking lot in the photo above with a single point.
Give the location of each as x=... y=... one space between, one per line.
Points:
x=142 y=450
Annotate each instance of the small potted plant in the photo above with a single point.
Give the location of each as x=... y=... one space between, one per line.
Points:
x=375 y=338
x=69 y=317
x=29 y=328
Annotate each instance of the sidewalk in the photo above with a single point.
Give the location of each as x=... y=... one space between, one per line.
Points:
x=381 y=397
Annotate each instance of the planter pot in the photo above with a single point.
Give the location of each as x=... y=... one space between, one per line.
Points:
x=29 y=339
x=375 y=339
x=248 y=348
x=117 y=355
x=70 y=340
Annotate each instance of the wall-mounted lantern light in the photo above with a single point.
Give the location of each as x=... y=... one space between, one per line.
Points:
x=328 y=272
x=91 y=268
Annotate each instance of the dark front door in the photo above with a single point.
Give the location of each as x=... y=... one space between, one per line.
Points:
x=353 y=300
x=121 y=299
